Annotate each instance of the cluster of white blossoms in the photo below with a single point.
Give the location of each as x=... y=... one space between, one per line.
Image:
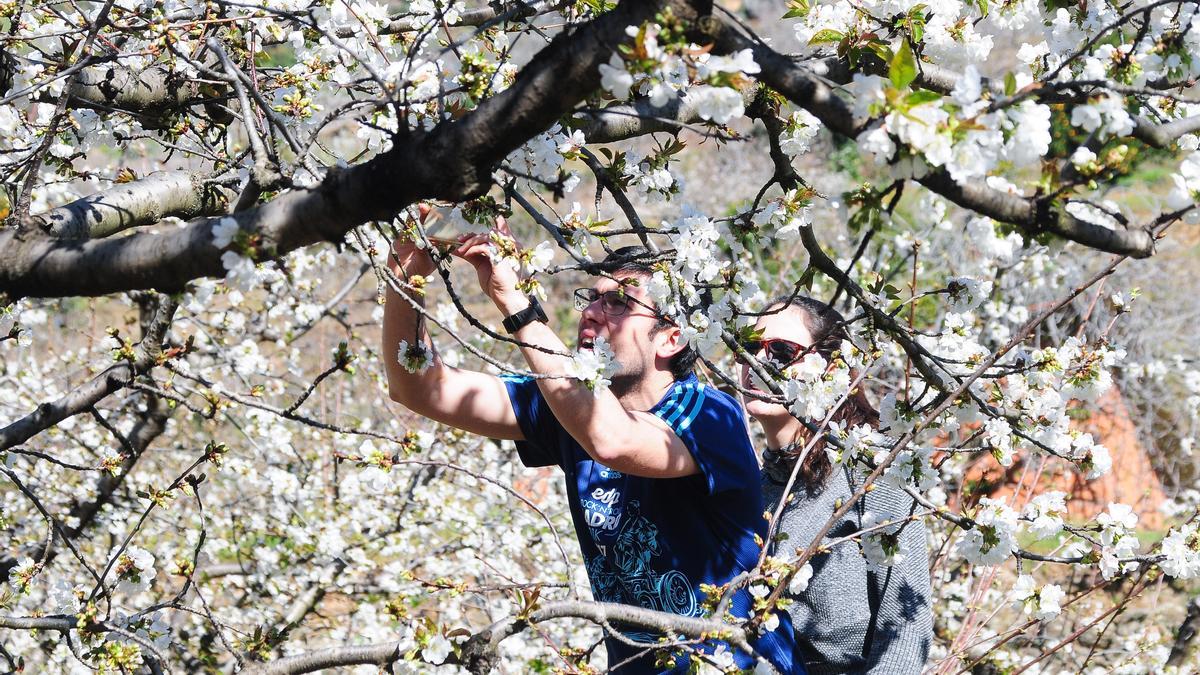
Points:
x=543 y=156
x=951 y=133
x=1181 y=548
x=1045 y=513
x=134 y=570
x=1118 y=539
x=1044 y=602
x=815 y=386
x=703 y=81
x=881 y=544
x=998 y=437
x=594 y=366
x=1186 y=191
x=967 y=293
x=786 y=214
x=992 y=536
x=913 y=466
x=650 y=175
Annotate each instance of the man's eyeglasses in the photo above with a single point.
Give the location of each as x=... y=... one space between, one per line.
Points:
x=782 y=352
x=612 y=303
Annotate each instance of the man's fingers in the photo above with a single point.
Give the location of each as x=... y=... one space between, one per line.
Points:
x=469 y=240
x=472 y=248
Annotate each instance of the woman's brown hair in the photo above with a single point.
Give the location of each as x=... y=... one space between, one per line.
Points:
x=828 y=329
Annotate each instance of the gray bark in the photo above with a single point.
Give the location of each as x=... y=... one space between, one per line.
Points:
x=159 y=195
x=151 y=92
x=510 y=11
x=1035 y=216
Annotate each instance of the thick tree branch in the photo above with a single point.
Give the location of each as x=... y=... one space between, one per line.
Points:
x=802 y=88
x=641 y=117
x=479 y=652
x=1036 y=216
x=1163 y=136
x=148 y=93
x=452 y=162
x=494 y=12
x=176 y=194
x=789 y=77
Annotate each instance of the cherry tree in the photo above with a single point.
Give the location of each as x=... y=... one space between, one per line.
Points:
x=202 y=470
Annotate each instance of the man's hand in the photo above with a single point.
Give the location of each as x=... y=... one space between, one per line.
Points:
x=497 y=279
x=408 y=259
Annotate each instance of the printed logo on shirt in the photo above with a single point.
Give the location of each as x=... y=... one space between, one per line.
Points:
x=623 y=573
x=601 y=510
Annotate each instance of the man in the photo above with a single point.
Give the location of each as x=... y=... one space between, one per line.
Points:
x=661 y=477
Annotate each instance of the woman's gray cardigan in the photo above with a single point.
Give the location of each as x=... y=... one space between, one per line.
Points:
x=850 y=620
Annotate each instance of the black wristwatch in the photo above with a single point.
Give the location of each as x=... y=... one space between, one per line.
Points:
x=523 y=318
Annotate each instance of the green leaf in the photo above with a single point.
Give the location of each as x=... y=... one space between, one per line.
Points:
x=917 y=16
x=881 y=50
x=798 y=9
x=921 y=96
x=806 y=279
x=826 y=36
x=1010 y=84
x=903 y=68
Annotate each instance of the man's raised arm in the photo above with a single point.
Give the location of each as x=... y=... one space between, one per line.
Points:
x=633 y=442
x=472 y=401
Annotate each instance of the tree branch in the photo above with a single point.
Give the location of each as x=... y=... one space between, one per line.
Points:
x=51 y=413
x=790 y=78
x=478 y=654
x=1036 y=216
x=502 y=11
x=452 y=162
x=149 y=93
x=620 y=122
x=178 y=194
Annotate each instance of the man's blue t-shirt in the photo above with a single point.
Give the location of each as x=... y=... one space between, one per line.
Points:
x=653 y=542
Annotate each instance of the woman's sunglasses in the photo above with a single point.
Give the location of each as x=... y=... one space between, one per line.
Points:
x=782 y=352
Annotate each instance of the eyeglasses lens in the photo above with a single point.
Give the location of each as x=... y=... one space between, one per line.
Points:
x=612 y=303
x=782 y=352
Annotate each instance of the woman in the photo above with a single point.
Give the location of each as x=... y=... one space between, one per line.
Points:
x=850 y=619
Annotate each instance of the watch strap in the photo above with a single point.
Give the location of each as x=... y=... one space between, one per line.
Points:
x=518 y=320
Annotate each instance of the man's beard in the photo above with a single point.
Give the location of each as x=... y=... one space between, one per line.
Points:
x=626 y=380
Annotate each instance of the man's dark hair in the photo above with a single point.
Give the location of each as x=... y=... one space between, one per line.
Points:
x=639 y=260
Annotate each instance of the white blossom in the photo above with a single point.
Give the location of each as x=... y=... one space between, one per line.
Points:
x=594 y=366
x=1181 y=547
x=992 y=538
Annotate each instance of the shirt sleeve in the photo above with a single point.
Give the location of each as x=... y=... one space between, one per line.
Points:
x=536 y=420
x=712 y=427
